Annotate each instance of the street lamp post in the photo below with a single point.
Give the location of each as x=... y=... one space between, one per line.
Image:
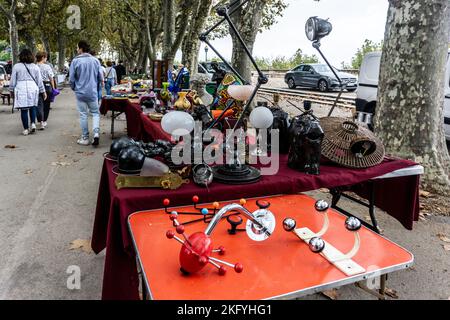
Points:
x=206 y=54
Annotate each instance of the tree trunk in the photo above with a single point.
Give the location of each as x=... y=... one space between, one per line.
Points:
x=169 y=30
x=191 y=43
x=247 y=20
x=46 y=44
x=151 y=48
x=409 y=118
x=14 y=38
x=61 y=51
x=30 y=42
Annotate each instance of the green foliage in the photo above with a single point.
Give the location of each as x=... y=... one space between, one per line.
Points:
x=285 y=63
x=367 y=47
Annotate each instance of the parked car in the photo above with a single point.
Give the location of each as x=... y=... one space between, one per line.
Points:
x=319 y=76
x=203 y=70
x=366 y=100
x=3 y=74
x=207 y=66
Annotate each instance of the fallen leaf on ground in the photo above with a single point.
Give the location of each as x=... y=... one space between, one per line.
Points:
x=10 y=146
x=60 y=164
x=87 y=154
x=446 y=247
x=443 y=237
x=29 y=171
x=332 y=294
x=323 y=190
x=391 y=293
x=424 y=194
x=81 y=244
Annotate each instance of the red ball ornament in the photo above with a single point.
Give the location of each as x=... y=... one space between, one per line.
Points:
x=193 y=251
x=180 y=229
x=195 y=199
x=238 y=268
x=222 y=271
x=170 y=234
x=166 y=202
x=222 y=250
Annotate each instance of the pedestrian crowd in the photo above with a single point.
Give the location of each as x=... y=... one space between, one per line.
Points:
x=34 y=88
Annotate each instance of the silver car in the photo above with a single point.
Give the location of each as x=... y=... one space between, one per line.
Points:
x=319 y=76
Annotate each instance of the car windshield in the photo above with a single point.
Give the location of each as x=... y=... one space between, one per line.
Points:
x=322 y=68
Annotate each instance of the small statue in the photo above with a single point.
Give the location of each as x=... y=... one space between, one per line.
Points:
x=218 y=76
x=281 y=123
x=198 y=83
x=306 y=136
x=194 y=98
x=201 y=113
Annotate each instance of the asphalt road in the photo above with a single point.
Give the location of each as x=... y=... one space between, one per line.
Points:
x=48 y=195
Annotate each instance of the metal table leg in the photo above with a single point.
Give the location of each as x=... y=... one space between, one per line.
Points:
x=112 y=124
x=338 y=194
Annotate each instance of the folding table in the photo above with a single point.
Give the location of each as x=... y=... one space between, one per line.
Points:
x=282 y=267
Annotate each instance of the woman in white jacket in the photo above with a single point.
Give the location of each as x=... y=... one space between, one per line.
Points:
x=27 y=85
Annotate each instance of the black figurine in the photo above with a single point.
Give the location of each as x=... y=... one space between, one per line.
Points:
x=281 y=123
x=218 y=76
x=201 y=113
x=306 y=136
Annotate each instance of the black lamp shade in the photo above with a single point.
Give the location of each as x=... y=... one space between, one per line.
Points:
x=317 y=28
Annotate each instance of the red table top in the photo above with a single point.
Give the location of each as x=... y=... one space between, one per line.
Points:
x=280 y=266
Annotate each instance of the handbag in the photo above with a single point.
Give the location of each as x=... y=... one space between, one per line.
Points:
x=40 y=94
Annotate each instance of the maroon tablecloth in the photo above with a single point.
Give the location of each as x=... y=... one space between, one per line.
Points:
x=398 y=196
x=132 y=110
x=151 y=130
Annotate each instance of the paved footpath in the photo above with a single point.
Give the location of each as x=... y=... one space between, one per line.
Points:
x=48 y=193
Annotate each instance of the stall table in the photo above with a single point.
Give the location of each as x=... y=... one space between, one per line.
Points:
x=281 y=267
x=133 y=113
x=110 y=231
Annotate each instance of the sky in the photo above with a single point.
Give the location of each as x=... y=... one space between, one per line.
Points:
x=353 y=22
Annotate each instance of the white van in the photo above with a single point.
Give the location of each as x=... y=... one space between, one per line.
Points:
x=366 y=99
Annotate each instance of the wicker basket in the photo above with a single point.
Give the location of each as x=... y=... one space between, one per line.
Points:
x=350 y=144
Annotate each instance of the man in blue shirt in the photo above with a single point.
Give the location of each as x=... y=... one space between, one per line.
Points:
x=85 y=76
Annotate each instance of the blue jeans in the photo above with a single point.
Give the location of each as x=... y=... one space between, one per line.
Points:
x=24 y=115
x=108 y=85
x=84 y=108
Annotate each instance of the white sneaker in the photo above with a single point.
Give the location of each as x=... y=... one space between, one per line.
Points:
x=84 y=142
x=45 y=124
x=25 y=132
x=33 y=128
x=41 y=126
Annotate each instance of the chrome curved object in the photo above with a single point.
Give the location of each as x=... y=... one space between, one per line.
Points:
x=255 y=218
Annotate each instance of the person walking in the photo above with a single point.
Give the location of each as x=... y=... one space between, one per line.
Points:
x=110 y=78
x=26 y=85
x=85 y=76
x=48 y=77
x=100 y=87
x=121 y=72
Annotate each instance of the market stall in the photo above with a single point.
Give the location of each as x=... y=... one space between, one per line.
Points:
x=330 y=153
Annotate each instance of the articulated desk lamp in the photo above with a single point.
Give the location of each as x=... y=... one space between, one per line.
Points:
x=316 y=29
x=238 y=173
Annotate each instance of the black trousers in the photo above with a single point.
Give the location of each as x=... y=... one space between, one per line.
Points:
x=44 y=105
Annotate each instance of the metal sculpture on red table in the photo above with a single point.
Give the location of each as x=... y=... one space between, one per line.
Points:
x=197 y=249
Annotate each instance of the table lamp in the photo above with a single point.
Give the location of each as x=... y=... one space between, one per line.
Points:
x=178 y=124
x=316 y=29
x=260 y=118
